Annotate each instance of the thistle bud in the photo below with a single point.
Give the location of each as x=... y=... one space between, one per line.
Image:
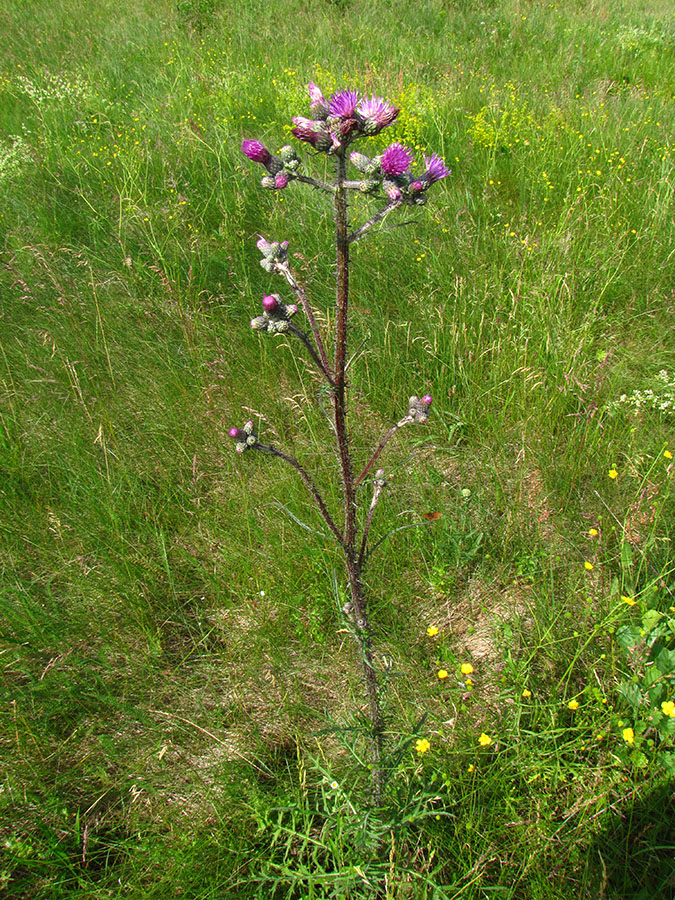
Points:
x=256 y=151
x=291 y=310
x=287 y=154
x=264 y=246
x=416 y=186
x=360 y=161
x=368 y=185
x=281 y=181
x=270 y=303
x=259 y=323
x=238 y=434
x=427 y=399
x=393 y=191
x=284 y=246
x=274 y=165
x=245 y=437
x=267 y=182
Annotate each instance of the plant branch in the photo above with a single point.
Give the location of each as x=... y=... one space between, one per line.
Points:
x=309 y=482
x=359 y=232
x=302 y=297
x=310 y=347
x=377 y=492
x=380 y=447
x=315 y=183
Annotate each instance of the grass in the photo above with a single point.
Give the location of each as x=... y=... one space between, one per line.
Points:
x=177 y=693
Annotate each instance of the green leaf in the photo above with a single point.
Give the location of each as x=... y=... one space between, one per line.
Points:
x=665 y=662
x=651 y=618
x=631 y=693
x=628 y=636
x=626 y=555
x=667 y=760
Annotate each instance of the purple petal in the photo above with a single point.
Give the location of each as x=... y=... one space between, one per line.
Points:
x=343 y=104
x=255 y=151
x=436 y=168
x=396 y=159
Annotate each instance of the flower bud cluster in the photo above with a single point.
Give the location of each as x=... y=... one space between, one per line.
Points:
x=341 y=119
x=282 y=168
x=418 y=410
x=273 y=253
x=391 y=172
x=245 y=437
x=275 y=317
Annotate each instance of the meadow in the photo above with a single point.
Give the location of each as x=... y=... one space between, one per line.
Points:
x=180 y=705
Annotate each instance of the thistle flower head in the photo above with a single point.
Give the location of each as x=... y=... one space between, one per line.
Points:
x=313 y=132
x=270 y=303
x=256 y=151
x=343 y=104
x=427 y=400
x=315 y=93
x=245 y=437
x=280 y=181
x=393 y=191
x=376 y=114
x=436 y=168
x=318 y=105
x=396 y=159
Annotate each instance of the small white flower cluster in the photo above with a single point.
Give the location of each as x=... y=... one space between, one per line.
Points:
x=55 y=88
x=659 y=398
x=13 y=156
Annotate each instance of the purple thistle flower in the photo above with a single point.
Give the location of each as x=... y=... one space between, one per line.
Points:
x=343 y=104
x=311 y=131
x=256 y=151
x=436 y=168
x=238 y=434
x=416 y=186
x=280 y=181
x=315 y=94
x=393 y=191
x=270 y=303
x=396 y=159
x=427 y=399
x=376 y=113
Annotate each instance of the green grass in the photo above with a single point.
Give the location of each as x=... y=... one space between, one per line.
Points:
x=178 y=692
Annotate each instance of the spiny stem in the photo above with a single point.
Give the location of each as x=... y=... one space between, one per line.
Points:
x=302 y=297
x=380 y=447
x=309 y=483
x=359 y=232
x=312 y=352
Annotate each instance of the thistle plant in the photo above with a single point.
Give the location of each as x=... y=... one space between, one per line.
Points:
x=334 y=126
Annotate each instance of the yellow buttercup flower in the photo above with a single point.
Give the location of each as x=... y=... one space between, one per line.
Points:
x=628 y=735
x=526 y=693
x=422 y=746
x=588 y=566
x=593 y=532
x=612 y=474
x=471 y=768
x=667 y=454
x=466 y=669
x=442 y=673
x=668 y=708
x=432 y=631
x=573 y=704
x=484 y=740
x=628 y=601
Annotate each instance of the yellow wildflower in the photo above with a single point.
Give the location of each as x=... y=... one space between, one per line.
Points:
x=526 y=693
x=422 y=746
x=628 y=601
x=432 y=631
x=442 y=673
x=628 y=735
x=471 y=768
x=612 y=474
x=668 y=708
x=466 y=669
x=667 y=454
x=573 y=704
x=484 y=740
x=593 y=532
x=588 y=566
